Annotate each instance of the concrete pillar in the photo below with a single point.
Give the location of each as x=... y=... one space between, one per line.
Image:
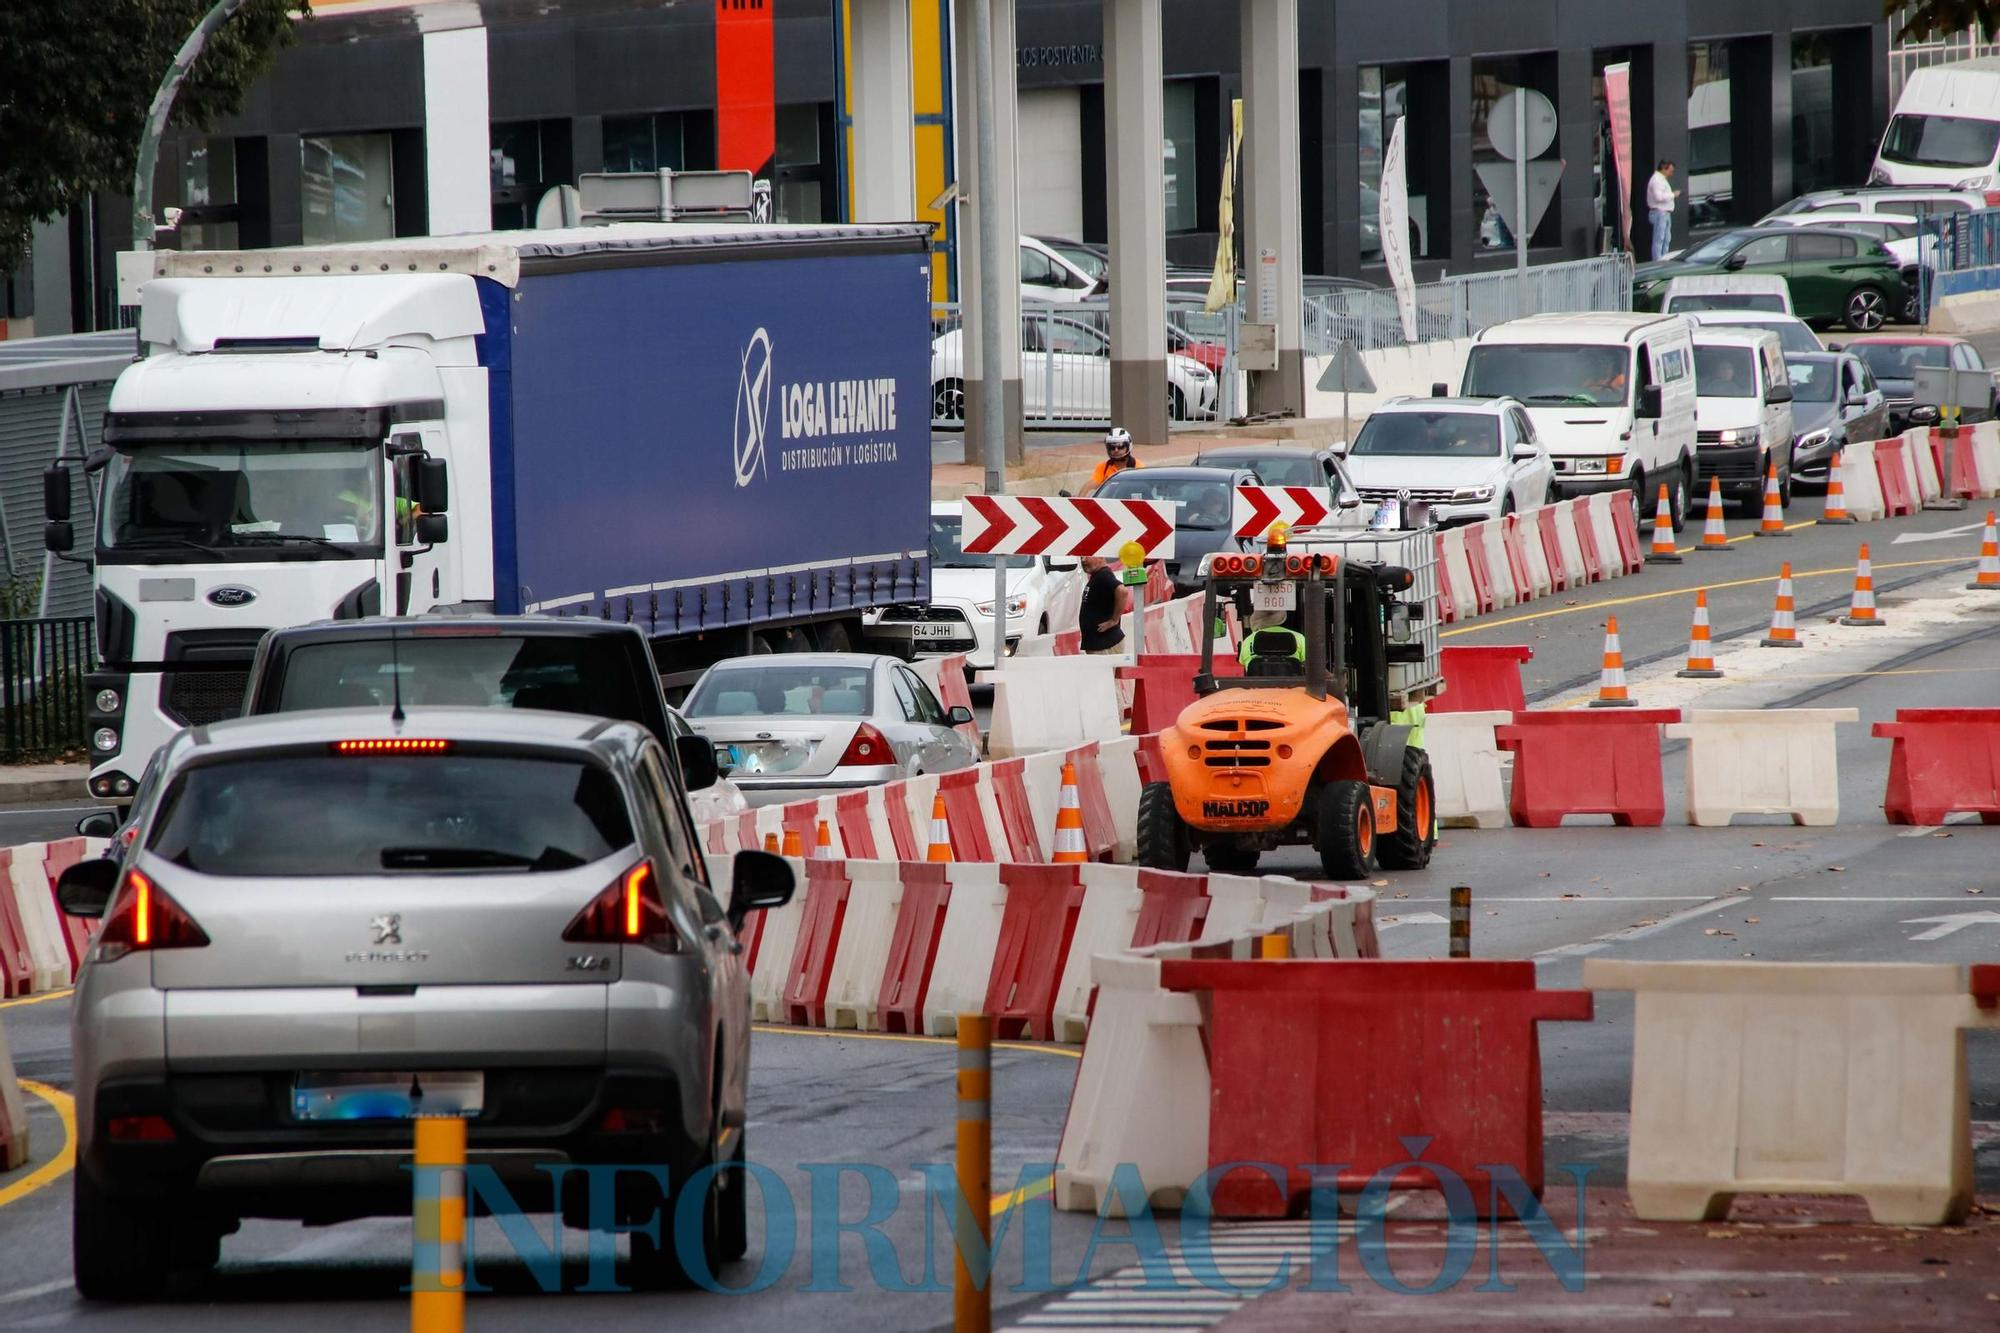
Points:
x=1575 y=204
x=879 y=96
x=50 y=248
x=1271 y=194
x=1135 y=171
x=1006 y=207
x=458 y=169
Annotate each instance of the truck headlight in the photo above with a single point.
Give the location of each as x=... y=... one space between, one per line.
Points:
x=108 y=701
x=1737 y=435
x=1472 y=494
x=1592 y=466
x=105 y=739
x=1016 y=606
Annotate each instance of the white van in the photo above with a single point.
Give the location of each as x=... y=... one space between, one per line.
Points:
x=1727 y=291
x=1743 y=413
x=1611 y=396
x=1946 y=129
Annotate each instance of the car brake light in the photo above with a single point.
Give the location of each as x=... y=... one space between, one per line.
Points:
x=392 y=745
x=869 y=746
x=146 y=917
x=140 y=1129
x=628 y=911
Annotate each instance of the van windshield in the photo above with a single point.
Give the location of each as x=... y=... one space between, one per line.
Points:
x=1550 y=373
x=1724 y=372
x=1941 y=141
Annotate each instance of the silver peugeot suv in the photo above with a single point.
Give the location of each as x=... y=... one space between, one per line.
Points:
x=332 y=921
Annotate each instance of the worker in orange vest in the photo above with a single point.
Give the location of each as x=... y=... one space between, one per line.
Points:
x=1117 y=456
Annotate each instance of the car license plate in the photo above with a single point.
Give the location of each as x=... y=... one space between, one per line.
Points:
x=1273 y=597
x=942 y=630
x=346 y=1096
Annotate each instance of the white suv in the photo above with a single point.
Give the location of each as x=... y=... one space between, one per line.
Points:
x=1467 y=458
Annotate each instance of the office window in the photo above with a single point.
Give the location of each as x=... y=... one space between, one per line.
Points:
x=1708 y=173
x=1183 y=198
x=801 y=179
x=208 y=195
x=1815 y=156
x=666 y=140
x=347 y=186
x=1385 y=99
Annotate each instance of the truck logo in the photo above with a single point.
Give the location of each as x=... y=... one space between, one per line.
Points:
x=231 y=594
x=1239 y=809
x=753 y=407
x=387 y=929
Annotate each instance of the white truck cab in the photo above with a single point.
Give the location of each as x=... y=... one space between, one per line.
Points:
x=1611 y=396
x=1945 y=129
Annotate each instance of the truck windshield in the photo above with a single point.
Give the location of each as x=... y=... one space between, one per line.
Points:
x=1941 y=141
x=245 y=499
x=1544 y=373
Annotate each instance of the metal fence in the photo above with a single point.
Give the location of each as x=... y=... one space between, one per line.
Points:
x=1458 y=307
x=42 y=665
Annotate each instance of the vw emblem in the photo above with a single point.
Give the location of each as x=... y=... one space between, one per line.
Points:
x=1404 y=495
x=387 y=929
x=231 y=594
x=753 y=407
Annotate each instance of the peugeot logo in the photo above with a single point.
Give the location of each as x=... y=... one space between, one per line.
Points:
x=387 y=929
x=231 y=594
x=753 y=407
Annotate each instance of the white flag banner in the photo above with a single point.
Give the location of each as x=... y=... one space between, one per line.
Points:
x=1394 y=221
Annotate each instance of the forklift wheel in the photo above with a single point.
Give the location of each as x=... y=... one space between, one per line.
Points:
x=1346 y=841
x=1410 y=846
x=1163 y=835
x=1229 y=858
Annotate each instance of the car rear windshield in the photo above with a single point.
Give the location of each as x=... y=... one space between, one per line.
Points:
x=1724 y=372
x=1204 y=504
x=592 y=675
x=1683 y=302
x=1941 y=141
x=783 y=689
x=1277 y=469
x=325 y=814
x=1890 y=361
x=1546 y=373
x=1793 y=334
x=1433 y=434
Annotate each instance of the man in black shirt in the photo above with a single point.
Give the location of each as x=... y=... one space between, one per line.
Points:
x=1104 y=603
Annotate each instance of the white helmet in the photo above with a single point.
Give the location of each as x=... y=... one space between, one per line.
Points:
x=1118 y=438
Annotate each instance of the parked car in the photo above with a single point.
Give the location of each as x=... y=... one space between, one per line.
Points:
x=1466 y=458
x=1945 y=130
x=1289 y=465
x=1047 y=274
x=1794 y=334
x=1893 y=358
x=1742 y=414
x=1901 y=236
x=1093 y=261
x=1065 y=373
x=1905 y=200
x=1206 y=496
x=334 y=921
x=1834 y=276
x=1835 y=400
x=1043 y=594
x=789 y=723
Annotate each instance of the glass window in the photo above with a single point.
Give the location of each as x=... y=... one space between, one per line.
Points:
x=1815 y=163
x=1492 y=80
x=1429 y=434
x=928 y=708
x=1182 y=195
x=558 y=673
x=1709 y=171
x=629 y=144
x=1892 y=361
x=312 y=495
x=905 y=696
x=760 y=689
x=1819 y=245
x=516 y=153
x=1385 y=99
x=1765 y=250
x=1549 y=373
x=208 y=194
x=1724 y=372
x=1036 y=270
x=1812 y=380
x=800 y=180
x=1941 y=141
x=1204 y=505
x=316 y=814
x=1076 y=339
x=669 y=140
x=348 y=189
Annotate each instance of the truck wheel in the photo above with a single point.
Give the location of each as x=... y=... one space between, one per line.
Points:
x=1410 y=846
x=120 y=1248
x=1346 y=842
x=1229 y=858
x=1163 y=835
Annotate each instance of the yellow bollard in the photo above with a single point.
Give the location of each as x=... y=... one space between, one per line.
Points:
x=972 y=1302
x=437 y=1259
x=1278 y=945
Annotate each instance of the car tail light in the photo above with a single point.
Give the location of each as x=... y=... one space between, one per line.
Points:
x=630 y=910
x=393 y=745
x=140 y=1129
x=869 y=746
x=146 y=917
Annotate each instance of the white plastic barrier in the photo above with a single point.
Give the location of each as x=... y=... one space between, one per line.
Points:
x=919 y=798
x=1921 y=463
x=1539 y=576
x=775 y=946
x=1235 y=908
x=1283 y=898
x=965 y=946
x=827 y=811
x=1468 y=782
x=13 y=1112
x=1572 y=547
x=47 y=949
x=854 y=983
x=1492 y=538
x=1604 y=533
x=1859 y=485
x=1118 y=762
x=1458 y=568
x=1055 y=703
x=1747 y=761
x=1104 y=925
x=1983 y=458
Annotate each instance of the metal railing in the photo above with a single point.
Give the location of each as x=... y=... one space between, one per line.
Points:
x=42 y=666
x=1458 y=307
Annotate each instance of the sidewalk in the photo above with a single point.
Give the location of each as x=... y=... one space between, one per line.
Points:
x=26 y=784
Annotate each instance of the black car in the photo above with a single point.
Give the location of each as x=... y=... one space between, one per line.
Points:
x=1206 y=496
x=1834 y=401
x=1286 y=465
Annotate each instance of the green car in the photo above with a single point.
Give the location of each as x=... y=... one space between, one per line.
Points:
x=1836 y=276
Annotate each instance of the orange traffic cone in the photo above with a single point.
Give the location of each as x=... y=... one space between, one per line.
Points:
x=1836 y=494
x=1070 y=848
x=794 y=844
x=1611 y=688
x=1988 y=577
x=1713 y=536
x=940 y=831
x=1861 y=608
x=1663 y=552
x=1784 y=630
x=771 y=843
x=823 y=843
x=1701 y=655
x=1773 y=524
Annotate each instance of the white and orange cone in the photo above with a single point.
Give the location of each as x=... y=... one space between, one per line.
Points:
x=771 y=843
x=1663 y=552
x=1773 y=522
x=940 y=849
x=1836 y=494
x=1861 y=608
x=1611 y=692
x=794 y=844
x=1714 y=537
x=823 y=843
x=1070 y=848
x=1701 y=652
x=1988 y=577
x=1784 y=630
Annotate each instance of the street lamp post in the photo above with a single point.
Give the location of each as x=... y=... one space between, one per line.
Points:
x=156 y=118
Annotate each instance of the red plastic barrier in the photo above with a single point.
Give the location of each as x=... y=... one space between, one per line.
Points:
x=1578 y=512
x=1894 y=475
x=802 y=818
x=1986 y=985
x=1964 y=481
x=1480 y=678
x=1587 y=762
x=1154 y=640
x=1447 y=594
x=1482 y=576
x=1172 y=908
x=857 y=835
x=1366 y=943
x=1552 y=550
x=953 y=692
x=901 y=831
x=1943 y=761
x=906 y=979
x=60 y=856
x=827 y=887
x=1017 y=819
x=1100 y=831
x=712 y=838
x=1069 y=643
x=1035 y=933
x=1159 y=584
x=1514 y=541
x=752 y=940
x=17 y=967
x=747 y=835
x=1372 y=1065
x=1625 y=522
x=1152 y=765
x=970 y=840
x=1163 y=684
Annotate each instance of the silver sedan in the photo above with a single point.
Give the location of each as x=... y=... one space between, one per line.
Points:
x=812 y=722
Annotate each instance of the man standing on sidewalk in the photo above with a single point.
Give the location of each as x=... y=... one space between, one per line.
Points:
x=1105 y=602
x=1660 y=196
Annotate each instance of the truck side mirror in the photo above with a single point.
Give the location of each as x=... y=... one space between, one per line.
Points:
x=58 y=536
x=1650 y=407
x=55 y=494
x=433 y=529
x=698 y=767
x=1778 y=393
x=433 y=486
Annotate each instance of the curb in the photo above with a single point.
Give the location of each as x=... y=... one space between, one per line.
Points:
x=43 y=789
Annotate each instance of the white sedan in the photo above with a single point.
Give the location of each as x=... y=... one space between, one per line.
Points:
x=1043 y=597
x=1066 y=374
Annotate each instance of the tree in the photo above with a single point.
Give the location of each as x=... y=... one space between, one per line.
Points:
x=1918 y=19
x=80 y=78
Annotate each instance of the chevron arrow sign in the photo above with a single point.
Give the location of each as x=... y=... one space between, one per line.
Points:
x=1047 y=525
x=1256 y=508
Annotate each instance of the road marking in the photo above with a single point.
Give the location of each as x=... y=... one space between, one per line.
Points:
x=1015 y=1198
x=1925 y=830
x=58 y=1166
x=1637 y=932
x=43 y=998
x=1845 y=898
x=1413 y=919
x=1938 y=534
x=41 y=1289
x=852 y=1035
x=1950 y=925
